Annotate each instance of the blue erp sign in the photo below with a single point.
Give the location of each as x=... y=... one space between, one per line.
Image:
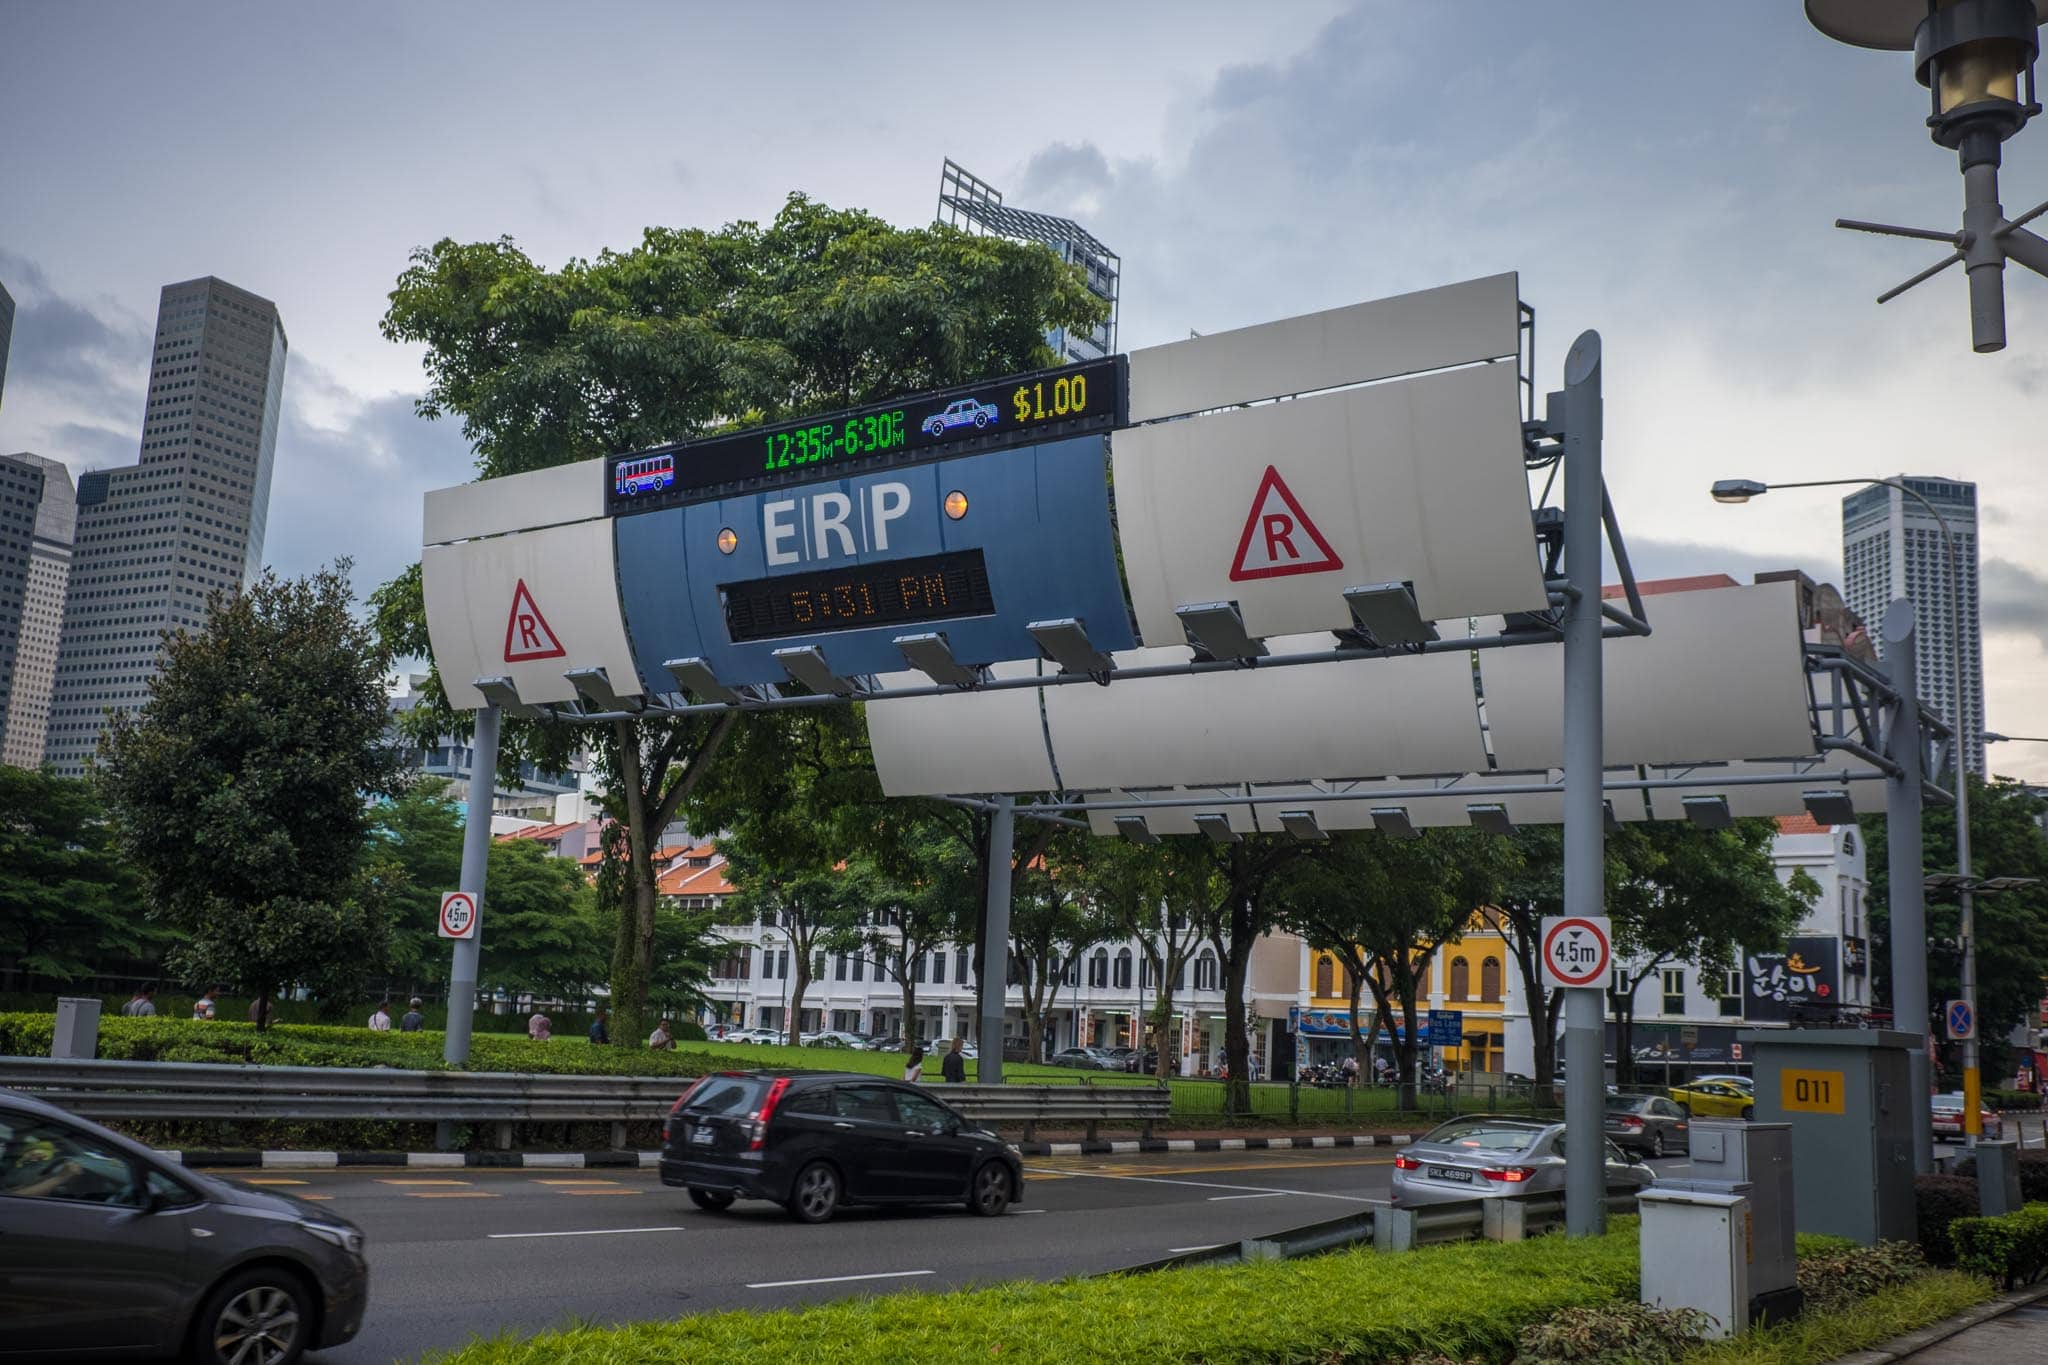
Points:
x=975 y=547
x=1446 y=1028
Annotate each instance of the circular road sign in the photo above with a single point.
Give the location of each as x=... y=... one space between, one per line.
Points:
x=458 y=914
x=1575 y=950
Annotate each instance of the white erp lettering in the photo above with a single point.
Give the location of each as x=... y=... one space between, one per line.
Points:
x=829 y=512
x=776 y=529
x=886 y=503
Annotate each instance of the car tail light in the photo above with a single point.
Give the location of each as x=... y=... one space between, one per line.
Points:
x=669 y=1123
x=767 y=1112
x=1407 y=1163
x=1510 y=1175
x=1629 y=1121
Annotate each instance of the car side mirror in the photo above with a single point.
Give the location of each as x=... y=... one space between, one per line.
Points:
x=952 y=1127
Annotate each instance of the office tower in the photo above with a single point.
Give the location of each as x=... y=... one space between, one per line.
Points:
x=25 y=711
x=21 y=493
x=6 y=332
x=155 y=538
x=1892 y=547
x=968 y=202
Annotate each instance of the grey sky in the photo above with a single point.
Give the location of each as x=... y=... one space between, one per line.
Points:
x=1668 y=177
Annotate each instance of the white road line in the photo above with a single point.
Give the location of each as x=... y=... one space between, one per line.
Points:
x=1214 y=1185
x=841 y=1279
x=1176 y=1251
x=1263 y=1194
x=592 y=1232
x=1021 y=1212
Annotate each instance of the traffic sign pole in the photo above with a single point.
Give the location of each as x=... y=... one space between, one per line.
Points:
x=993 y=988
x=476 y=852
x=1585 y=1177
x=1902 y=800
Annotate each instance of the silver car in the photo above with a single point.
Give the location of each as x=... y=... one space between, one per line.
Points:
x=1485 y=1157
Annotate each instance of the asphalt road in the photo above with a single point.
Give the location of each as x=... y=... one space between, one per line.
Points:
x=477 y=1252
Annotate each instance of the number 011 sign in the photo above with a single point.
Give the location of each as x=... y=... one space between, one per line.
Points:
x=1575 y=950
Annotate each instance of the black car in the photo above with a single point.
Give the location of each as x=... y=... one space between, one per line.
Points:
x=814 y=1141
x=109 y=1251
x=1648 y=1123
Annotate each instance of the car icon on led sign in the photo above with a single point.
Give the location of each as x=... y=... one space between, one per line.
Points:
x=966 y=412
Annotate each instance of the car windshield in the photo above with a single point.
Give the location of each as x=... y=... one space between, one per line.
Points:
x=1483 y=1135
x=725 y=1095
x=1628 y=1104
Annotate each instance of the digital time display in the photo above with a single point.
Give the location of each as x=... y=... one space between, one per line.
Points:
x=930 y=588
x=1015 y=411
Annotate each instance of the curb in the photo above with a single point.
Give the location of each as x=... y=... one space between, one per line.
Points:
x=576 y=1161
x=1905 y=1347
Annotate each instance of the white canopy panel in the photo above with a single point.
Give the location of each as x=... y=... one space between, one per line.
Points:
x=966 y=742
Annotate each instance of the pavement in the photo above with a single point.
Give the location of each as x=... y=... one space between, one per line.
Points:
x=468 y=1252
x=2019 y=1337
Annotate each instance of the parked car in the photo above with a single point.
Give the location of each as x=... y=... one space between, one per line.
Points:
x=815 y=1142
x=1715 y=1099
x=1488 y=1157
x=890 y=1044
x=1739 y=1082
x=754 y=1035
x=1649 y=1124
x=1948 y=1117
x=1087 y=1059
x=837 y=1038
x=105 y=1248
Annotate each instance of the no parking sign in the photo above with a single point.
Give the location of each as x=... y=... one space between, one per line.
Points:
x=458 y=914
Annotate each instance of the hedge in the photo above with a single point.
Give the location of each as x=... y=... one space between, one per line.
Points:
x=1461 y=1300
x=2033 y=1167
x=1830 y=1334
x=2011 y=1248
x=1939 y=1201
x=2013 y=1101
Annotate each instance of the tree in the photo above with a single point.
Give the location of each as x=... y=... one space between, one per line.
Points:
x=68 y=898
x=2006 y=840
x=240 y=789
x=931 y=894
x=1533 y=889
x=690 y=332
x=1053 y=922
x=1156 y=894
x=1242 y=910
x=1692 y=895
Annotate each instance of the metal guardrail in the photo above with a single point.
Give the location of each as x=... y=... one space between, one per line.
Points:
x=229 y=1091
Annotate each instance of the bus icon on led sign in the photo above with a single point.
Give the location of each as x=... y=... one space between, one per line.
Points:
x=649 y=475
x=968 y=412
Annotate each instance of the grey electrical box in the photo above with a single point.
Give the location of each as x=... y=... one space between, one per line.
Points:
x=1998 y=1177
x=1846 y=1095
x=1695 y=1253
x=1727 y=1153
x=77 y=1037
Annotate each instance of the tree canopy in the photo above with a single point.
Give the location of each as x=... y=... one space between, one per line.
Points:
x=68 y=898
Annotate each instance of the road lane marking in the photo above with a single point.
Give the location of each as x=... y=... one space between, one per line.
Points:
x=404 y=1180
x=1131 y=1168
x=322 y=1197
x=590 y=1192
x=452 y=1194
x=269 y=1180
x=1242 y=1189
x=841 y=1279
x=590 y=1232
x=1263 y=1194
x=575 y=1182
x=1177 y=1251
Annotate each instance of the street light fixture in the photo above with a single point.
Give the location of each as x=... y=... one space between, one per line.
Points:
x=1742 y=490
x=1976 y=58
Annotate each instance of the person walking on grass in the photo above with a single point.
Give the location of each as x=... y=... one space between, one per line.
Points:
x=202 y=1008
x=413 y=1021
x=662 y=1039
x=913 y=1069
x=600 y=1032
x=380 y=1018
x=142 y=1004
x=540 y=1028
x=953 y=1066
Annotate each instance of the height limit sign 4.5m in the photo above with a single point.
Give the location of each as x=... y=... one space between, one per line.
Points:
x=1577 y=950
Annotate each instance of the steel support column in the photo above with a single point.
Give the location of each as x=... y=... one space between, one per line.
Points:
x=1905 y=867
x=476 y=853
x=1584 y=814
x=994 y=987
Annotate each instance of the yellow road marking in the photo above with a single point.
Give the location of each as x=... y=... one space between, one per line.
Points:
x=398 y=1181
x=1126 y=1168
x=602 y=1192
x=575 y=1182
x=454 y=1194
x=316 y=1196
x=269 y=1180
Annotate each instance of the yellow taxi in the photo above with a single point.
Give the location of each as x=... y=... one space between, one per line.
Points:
x=1716 y=1099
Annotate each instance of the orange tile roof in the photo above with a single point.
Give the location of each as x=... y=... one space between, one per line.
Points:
x=695 y=881
x=1649 y=587
x=1801 y=824
x=541 y=831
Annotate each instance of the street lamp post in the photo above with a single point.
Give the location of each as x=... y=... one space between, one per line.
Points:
x=1742 y=490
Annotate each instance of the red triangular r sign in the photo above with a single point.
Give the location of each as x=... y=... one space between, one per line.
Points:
x=1279 y=539
x=526 y=631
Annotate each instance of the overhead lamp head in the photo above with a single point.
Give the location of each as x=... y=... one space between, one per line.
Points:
x=1997 y=884
x=1387 y=612
x=1134 y=828
x=932 y=656
x=1947 y=881
x=1065 y=642
x=806 y=664
x=1491 y=817
x=594 y=685
x=1302 y=825
x=501 y=693
x=1708 y=812
x=1393 y=822
x=1738 y=490
x=1217 y=629
x=1830 y=807
x=694 y=676
x=1217 y=827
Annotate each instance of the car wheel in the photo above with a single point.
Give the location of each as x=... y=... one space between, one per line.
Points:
x=1748 y=1112
x=815 y=1196
x=981 y=419
x=260 y=1317
x=711 y=1201
x=1656 y=1145
x=990 y=1195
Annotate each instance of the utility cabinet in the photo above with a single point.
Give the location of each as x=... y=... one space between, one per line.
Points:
x=1847 y=1097
x=1729 y=1155
x=1695 y=1253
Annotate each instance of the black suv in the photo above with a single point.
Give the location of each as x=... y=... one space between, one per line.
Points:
x=812 y=1141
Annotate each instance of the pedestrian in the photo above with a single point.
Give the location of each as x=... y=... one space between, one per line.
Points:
x=380 y=1018
x=413 y=1021
x=259 y=1011
x=142 y=1004
x=540 y=1028
x=1351 y=1070
x=1252 y=1065
x=953 y=1066
x=662 y=1040
x=1380 y=1070
x=913 y=1069
x=600 y=1032
x=202 y=1008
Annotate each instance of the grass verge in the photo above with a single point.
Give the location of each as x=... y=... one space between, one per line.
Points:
x=1858 y=1326
x=1464 y=1300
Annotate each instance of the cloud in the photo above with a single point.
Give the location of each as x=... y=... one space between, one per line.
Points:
x=1652 y=558
x=2013 y=597
x=60 y=343
x=90 y=446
